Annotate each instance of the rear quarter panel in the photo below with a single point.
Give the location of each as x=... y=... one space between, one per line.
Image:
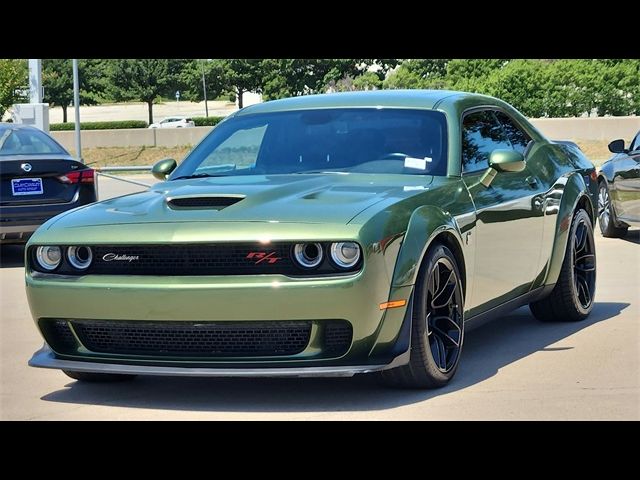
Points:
x=566 y=175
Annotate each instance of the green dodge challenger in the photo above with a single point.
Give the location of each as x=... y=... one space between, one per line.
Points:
x=325 y=235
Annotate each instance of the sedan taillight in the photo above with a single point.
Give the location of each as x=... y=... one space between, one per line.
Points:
x=79 y=176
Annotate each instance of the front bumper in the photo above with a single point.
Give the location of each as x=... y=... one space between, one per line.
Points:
x=379 y=337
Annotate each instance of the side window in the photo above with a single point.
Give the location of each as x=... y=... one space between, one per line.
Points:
x=636 y=143
x=518 y=137
x=481 y=135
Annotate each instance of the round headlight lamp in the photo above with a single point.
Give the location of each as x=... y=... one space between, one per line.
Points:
x=308 y=255
x=345 y=254
x=79 y=257
x=48 y=257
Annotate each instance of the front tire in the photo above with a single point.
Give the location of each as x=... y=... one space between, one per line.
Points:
x=606 y=215
x=437 y=325
x=98 y=377
x=572 y=297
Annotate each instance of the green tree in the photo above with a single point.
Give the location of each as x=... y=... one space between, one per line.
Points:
x=290 y=77
x=419 y=73
x=569 y=86
x=241 y=75
x=556 y=88
x=471 y=75
x=520 y=83
x=191 y=80
x=616 y=88
x=144 y=80
x=429 y=67
x=57 y=79
x=630 y=83
x=13 y=77
x=403 y=78
x=367 y=81
x=382 y=66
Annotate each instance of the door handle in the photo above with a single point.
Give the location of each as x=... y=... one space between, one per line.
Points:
x=532 y=181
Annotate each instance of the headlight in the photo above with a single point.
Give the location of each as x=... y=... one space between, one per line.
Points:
x=48 y=257
x=80 y=257
x=308 y=255
x=345 y=254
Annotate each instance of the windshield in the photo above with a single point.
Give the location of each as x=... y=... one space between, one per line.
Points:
x=362 y=140
x=22 y=141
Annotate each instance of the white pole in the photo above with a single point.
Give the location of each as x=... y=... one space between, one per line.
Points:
x=204 y=91
x=35 y=80
x=76 y=104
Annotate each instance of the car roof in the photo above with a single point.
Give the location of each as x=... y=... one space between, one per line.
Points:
x=425 y=99
x=15 y=126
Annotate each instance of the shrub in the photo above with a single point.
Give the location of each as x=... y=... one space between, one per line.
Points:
x=206 y=121
x=100 y=125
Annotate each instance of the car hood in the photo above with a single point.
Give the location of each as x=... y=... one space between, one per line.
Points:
x=323 y=198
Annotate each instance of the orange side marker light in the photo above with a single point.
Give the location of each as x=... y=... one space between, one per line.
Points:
x=393 y=304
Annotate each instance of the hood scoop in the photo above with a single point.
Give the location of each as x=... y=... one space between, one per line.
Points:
x=203 y=202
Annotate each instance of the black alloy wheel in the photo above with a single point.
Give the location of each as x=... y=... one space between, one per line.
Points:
x=572 y=296
x=444 y=315
x=437 y=324
x=584 y=263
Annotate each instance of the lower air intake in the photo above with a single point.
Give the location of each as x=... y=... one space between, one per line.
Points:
x=245 y=339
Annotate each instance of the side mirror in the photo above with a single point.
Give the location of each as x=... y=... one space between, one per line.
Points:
x=163 y=168
x=502 y=161
x=617 y=146
x=507 y=161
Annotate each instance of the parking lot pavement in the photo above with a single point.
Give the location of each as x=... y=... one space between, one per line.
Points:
x=512 y=368
x=109 y=188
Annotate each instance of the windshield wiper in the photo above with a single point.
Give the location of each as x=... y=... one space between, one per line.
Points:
x=304 y=172
x=199 y=175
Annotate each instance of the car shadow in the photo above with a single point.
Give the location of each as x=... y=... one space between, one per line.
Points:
x=11 y=256
x=488 y=348
x=632 y=236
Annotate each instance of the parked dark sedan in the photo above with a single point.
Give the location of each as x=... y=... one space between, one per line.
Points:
x=619 y=189
x=39 y=180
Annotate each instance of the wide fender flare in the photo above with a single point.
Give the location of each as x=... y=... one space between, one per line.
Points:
x=425 y=224
x=574 y=191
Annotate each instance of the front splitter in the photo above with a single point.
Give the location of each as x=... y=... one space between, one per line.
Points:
x=45 y=358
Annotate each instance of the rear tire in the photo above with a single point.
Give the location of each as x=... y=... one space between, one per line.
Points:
x=437 y=325
x=606 y=215
x=572 y=297
x=98 y=377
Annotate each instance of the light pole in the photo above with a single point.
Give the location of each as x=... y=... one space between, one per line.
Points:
x=204 y=90
x=76 y=104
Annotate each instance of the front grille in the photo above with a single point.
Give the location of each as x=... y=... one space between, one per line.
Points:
x=180 y=259
x=214 y=203
x=219 y=259
x=247 y=339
